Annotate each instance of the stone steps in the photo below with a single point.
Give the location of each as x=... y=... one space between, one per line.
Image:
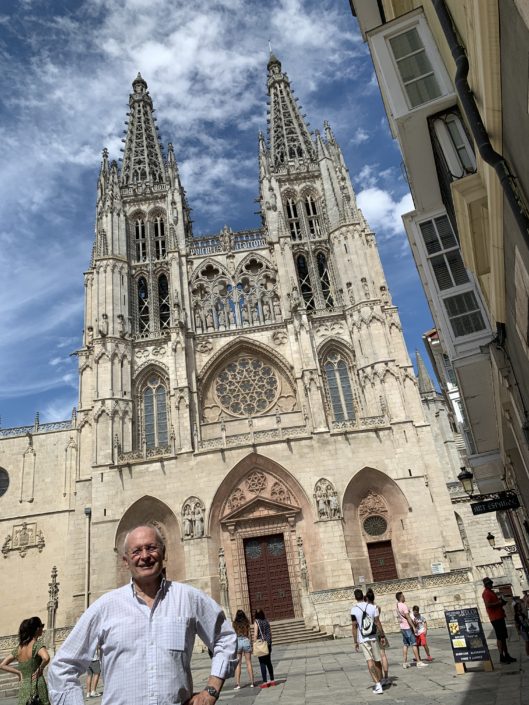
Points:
x=289 y=631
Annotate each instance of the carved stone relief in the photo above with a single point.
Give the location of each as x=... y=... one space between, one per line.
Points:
x=193 y=514
x=23 y=537
x=326 y=499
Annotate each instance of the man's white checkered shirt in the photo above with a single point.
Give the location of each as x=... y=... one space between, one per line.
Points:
x=145 y=653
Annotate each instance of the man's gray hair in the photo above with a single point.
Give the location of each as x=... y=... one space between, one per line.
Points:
x=159 y=536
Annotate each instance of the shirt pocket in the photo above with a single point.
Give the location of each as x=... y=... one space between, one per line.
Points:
x=173 y=634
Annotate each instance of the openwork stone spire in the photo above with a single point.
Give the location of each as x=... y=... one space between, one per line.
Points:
x=426 y=385
x=142 y=160
x=289 y=136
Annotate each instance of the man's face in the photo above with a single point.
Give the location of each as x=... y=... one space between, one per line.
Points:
x=143 y=554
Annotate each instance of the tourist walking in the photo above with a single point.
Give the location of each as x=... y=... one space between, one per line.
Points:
x=263 y=634
x=146 y=631
x=241 y=625
x=421 y=629
x=407 y=629
x=383 y=644
x=92 y=676
x=32 y=658
x=494 y=606
x=366 y=624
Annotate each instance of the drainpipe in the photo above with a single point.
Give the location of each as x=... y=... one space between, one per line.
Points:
x=479 y=132
x=88 y=515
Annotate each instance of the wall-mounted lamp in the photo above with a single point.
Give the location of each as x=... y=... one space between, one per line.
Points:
x=466 y=478
x=492 y=540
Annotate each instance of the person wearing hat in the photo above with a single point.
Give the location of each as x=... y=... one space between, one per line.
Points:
x=494 y=606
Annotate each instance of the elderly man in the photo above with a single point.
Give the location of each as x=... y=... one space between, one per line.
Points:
x=145 y=633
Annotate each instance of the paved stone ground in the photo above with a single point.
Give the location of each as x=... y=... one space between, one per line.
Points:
x=329 y=672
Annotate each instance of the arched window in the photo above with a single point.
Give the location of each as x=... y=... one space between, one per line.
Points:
x=313 y=219
x=159 y=238
x=143 y=305
x=155 y=413
x=338 y=382
x=163 y=302
x=293 y=220
x=324 y=279
x=141 y=242
x=304 y=282
x=4 y=481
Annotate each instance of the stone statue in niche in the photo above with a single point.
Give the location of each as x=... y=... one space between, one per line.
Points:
x=303 y=568
x=188 y=523
x=209 y=319
x=199 y=522
x=295 y=300
x=223 y=573
x=193 y=518
x=277 y=309
x=266 y=311
x=326 y=500
x=365 y=287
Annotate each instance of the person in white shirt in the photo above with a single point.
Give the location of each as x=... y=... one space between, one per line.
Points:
x=145 y=632
x=366 y=625
x=421 y=626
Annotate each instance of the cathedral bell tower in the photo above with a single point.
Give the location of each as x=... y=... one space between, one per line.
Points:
x=133 y=293
x=330 y=268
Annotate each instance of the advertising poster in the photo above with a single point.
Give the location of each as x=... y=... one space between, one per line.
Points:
x=466 y=635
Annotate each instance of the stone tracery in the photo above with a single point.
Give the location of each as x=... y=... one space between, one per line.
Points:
x=221 y=301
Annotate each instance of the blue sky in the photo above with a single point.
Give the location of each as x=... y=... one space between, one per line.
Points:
x=69 y=67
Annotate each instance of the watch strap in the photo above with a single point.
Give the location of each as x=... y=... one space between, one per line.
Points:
x=212 y=691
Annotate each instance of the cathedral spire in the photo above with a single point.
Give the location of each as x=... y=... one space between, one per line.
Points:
x=426 y=385
x=289 y=136
x=142 y=160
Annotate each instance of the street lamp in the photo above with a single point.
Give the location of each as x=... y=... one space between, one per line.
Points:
x=466 y=478
x=491 y=539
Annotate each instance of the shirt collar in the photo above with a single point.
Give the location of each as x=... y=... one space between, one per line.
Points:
x=164 y=585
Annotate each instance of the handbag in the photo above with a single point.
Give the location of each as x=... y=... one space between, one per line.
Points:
x=260 y=646
x=34 y=699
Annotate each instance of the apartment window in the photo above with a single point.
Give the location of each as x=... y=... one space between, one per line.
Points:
x=450 y=375
x=454 y=143
x=464 y=314
x=443 y=252
x=414 y=67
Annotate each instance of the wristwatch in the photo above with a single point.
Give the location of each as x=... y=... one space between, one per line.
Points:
x=212 y=691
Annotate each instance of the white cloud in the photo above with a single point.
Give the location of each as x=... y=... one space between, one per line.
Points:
x=382 y=211
x=359 y=136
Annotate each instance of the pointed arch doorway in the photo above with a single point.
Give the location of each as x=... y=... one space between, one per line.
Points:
x=261 y=513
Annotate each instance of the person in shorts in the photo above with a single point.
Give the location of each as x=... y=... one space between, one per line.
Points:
x=368 y=643
x=421 y=629
x=407 y=629
x=92 y=677
x=494 y=606
x=241 y=625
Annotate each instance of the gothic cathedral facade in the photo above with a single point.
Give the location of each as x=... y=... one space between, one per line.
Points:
x=249 y=393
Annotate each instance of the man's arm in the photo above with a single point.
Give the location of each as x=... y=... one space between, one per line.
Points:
x=73 y=659
x=355 y=631
x=380 y=628
x=496 y=602
x=218 y=634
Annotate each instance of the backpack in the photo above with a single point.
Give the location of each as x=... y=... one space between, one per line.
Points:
x=367 y=624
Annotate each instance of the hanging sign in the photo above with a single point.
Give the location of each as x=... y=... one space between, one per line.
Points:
x=503 y=500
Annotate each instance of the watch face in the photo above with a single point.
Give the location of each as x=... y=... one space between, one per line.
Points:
x=212 y=691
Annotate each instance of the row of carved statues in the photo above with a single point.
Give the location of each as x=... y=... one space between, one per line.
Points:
x=224 y=313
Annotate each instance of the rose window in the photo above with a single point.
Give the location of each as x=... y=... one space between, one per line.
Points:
x=247 y=387
x=375 y=525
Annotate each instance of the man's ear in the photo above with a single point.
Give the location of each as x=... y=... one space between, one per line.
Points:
x=124 y=558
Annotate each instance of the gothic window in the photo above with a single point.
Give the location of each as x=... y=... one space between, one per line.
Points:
x=4 y=481
x=143 y=305
x=504 y=523
x=304 y=282
x=313 y=219
x=159 y=238
x=338 y=383
x=324 y=279
x=155 y=412
x=293 y=219
x=163 y=302
x=247 y=387
x=140 y=240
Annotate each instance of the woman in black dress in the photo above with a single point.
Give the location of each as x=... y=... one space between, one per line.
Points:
x=261 y=630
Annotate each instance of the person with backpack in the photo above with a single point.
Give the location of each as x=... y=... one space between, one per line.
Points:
x=370 y=597
x=366 y=625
